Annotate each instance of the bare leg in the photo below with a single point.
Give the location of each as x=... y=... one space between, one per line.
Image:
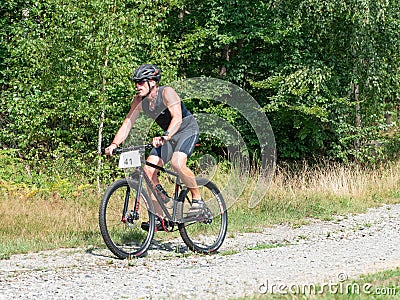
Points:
x=152 y=174
x=178 y=163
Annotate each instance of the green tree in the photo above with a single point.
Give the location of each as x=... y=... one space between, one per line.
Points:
x=325 y=72
x=68 y=62
x=315 y=66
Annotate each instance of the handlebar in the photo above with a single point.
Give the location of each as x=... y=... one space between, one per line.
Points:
x=132 y=148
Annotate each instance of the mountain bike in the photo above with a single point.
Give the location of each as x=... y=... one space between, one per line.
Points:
x=127 y=215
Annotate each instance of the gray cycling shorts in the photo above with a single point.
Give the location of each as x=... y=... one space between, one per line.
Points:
x=181 y=142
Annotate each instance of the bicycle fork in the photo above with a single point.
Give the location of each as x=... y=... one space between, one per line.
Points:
x=127 y=196
x=134 y=215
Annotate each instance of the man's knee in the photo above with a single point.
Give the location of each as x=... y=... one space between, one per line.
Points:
x=178 y=162
x=149 y=170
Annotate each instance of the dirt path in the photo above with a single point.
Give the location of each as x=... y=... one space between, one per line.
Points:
x=319 y=253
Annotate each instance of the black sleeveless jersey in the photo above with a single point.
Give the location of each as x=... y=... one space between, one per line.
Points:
x=161 y=113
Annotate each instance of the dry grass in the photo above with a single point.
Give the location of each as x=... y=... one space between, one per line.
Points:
x=338 y=181
x=34 y=219
x=298 y=193
x=64 y=214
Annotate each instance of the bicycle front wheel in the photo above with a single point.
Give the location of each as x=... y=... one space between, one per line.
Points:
x=208 y=235
x=121 y=223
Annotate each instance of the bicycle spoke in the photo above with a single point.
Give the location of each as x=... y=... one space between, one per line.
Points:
x=121 y=231
x=208 y=233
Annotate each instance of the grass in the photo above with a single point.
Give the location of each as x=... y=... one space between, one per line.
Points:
x=381 y=285
x=45 y=219
x=38 y=211
x=295 y=196
x=266 y=246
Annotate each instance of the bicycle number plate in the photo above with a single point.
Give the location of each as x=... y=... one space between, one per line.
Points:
x=129 y=159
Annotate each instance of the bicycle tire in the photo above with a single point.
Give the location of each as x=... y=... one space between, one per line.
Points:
x=205 y=237
x=125 y=239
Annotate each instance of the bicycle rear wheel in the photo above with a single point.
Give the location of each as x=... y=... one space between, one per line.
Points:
x=208 y=235
x=122 y=232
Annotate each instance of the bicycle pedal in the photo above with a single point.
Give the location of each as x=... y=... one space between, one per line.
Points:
x=208 y=221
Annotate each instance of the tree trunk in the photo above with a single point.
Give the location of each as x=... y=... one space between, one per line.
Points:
x=388 y=118
x=358 y=116
x=102 y=115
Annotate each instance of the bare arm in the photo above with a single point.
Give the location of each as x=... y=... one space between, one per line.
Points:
x=173 y=102
x=126 y=126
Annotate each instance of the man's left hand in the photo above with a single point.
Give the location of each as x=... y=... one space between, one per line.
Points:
x=158 y=141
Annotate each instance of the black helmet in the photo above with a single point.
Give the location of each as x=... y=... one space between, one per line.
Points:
x=148 y=72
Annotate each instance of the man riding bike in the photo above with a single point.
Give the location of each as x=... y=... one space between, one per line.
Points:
x=181 y=132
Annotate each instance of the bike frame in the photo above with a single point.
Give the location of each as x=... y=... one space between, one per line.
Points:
x=176 y=198
x=130 y=239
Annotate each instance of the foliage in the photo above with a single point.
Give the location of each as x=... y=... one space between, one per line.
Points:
x=325 y=72
x=301 y=61
x=67 y=62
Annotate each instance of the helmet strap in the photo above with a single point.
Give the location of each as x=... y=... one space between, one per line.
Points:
x=150 y=89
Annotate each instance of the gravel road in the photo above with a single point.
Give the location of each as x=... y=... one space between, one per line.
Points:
x=322 y=252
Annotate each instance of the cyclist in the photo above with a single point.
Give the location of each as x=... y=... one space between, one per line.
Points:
x=181 y=132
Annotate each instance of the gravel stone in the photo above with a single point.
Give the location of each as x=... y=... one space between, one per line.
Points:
x=247 y=264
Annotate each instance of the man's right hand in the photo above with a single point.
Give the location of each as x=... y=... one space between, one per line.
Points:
x=109 y=150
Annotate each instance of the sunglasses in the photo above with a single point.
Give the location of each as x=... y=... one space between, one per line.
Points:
x=140 y=82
